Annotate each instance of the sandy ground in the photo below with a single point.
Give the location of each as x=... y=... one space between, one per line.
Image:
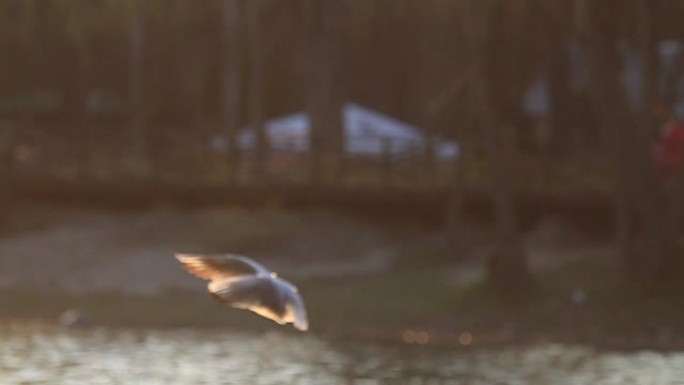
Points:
x=91 y=251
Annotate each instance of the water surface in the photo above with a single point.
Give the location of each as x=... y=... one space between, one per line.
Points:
x=215 y=357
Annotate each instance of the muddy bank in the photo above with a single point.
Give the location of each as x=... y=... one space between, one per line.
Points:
x=132 y=252
x=406 y=308
x=357 y=279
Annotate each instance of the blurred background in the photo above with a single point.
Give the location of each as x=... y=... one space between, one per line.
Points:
x=456 y=173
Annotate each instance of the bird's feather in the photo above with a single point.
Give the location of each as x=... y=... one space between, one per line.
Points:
x=211 y=267
x=240 y=282
x=272 y=298
x=295 y=312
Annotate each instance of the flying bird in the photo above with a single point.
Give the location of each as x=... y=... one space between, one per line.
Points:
x=242 y=283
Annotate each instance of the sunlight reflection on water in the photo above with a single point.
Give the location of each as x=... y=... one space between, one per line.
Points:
x=213 y=357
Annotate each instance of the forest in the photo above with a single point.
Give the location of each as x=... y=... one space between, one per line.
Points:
x=572 y=91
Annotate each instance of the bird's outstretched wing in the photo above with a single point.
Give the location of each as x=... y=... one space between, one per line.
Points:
x=212 y=267
x=272 y=298
x=295 y=312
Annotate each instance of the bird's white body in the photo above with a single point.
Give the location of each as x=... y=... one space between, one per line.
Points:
x=240 y=282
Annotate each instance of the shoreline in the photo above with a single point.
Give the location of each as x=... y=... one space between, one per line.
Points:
x=474 y=321
x=358 y=281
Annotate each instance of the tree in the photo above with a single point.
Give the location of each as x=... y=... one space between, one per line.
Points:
x=507 y=266
x=231 y=33
x=136 y=85
x=326 y=21
x=649 y=208
x=256 y=87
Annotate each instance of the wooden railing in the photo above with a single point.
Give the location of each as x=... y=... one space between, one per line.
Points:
x=192 y=161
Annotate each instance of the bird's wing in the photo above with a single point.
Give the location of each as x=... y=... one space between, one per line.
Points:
x=272 y=298
x=212 y=267
x=252 y=292
x=295 y=312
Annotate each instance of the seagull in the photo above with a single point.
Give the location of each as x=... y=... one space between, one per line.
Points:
x=240 y=282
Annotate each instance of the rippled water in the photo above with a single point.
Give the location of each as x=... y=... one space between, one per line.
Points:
x=204 y=357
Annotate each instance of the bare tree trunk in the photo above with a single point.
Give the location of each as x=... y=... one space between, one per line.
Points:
x=455 y=238
x=136 y=89
x=256 y=113
x=507 y=265
x=666 y=207
x=606 y=90
x=231 y=78
x=434 y=96
x=7 y=175
x=651 y=215
x=454 y=228
x=658 y=238
x=326 y=21
x=508 y=270
x=78 y=114
x=557 y=60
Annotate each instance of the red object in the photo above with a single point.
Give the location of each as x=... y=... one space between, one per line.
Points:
x=670 y=152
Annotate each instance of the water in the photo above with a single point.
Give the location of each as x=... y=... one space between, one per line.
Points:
x=211 y=357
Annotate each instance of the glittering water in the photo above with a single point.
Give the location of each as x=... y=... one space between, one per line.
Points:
x=212 y=357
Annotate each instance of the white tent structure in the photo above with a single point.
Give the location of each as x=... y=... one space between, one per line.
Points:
x=366 y=133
